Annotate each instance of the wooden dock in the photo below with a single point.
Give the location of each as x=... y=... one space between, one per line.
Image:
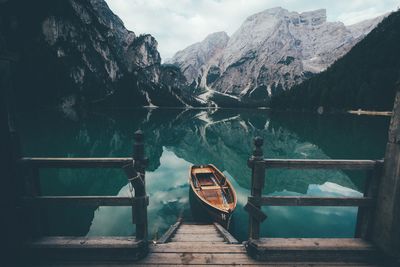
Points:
x=204 y=244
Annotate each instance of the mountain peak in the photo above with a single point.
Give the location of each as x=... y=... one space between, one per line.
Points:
x=315 y=17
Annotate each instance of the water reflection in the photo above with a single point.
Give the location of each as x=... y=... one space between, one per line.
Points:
x=177 y=138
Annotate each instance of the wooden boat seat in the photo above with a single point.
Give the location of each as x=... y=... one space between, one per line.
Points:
x=206 y=179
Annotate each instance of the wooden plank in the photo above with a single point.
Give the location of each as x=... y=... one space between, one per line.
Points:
x=198 y=258
x=170 y=232
x=313 y=243
x=197 y=227
x=194 y=235
x=72 y=242
x=197 y=231
x=196 y=244
x=313 y=249
x=86 y=249
x=274 y=264
x=197 y=238
x=321 y=164
x=197 y=248
x=312 y=201
x=225 y=234
x=75 y=162
x=80 y=200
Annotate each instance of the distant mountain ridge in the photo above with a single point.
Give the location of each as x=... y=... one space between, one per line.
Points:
x=271 y=51
x=365 y=78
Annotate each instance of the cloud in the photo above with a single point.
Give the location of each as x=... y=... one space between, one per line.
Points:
x=179 y=23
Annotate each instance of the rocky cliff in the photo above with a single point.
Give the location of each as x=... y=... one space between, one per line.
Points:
x=270 y=52
x=76 y=53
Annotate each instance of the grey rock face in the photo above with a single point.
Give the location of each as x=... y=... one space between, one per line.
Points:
x=195 y=60
x=270 y=52
x=81 y=53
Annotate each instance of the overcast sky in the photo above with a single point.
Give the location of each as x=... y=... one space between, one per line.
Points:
x=179 y=23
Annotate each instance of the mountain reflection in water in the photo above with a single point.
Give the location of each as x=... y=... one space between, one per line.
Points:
x=175 y=139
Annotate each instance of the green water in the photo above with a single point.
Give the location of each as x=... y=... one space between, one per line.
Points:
x=175 y=139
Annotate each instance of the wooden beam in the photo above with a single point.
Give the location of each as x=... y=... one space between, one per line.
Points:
x=80 y=200
x=256 y=216
x=75 y=162
x=386 y=232
x=312 y=201
x=322 y=250
x=366 y=216
x=321 y=164
x=255 y=212
x=170 y=232
x=225 y=234
x=52 y=250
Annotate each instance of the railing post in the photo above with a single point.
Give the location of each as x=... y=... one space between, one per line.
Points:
x=257 y=166
x=386 y=232
x=140 y=208
x=365 y=215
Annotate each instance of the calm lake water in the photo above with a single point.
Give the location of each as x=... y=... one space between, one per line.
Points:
x=175 y=139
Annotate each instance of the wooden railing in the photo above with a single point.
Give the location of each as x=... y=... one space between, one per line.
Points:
x=133 y=167
x=365 y=204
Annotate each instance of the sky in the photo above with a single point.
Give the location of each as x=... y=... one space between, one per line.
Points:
x=177 y=24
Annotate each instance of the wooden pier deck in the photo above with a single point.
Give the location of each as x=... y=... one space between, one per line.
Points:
x=210 y=244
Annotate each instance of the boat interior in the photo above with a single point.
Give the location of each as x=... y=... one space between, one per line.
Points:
x=212 y=187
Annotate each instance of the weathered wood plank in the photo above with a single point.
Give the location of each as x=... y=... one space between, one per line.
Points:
x=321 y=164
x=197 y=231
x=170 y=232
x=225 y=234
x=194 y=235
x=197 y=238
x=280 y=264
x=198 y=248
x=312 y=249
x=75 y=162
x=87 y=249
x=80 y=200
x=196 y=227
x=312 y=201
x=70 y=242
x=198 y=258
x=312 y=243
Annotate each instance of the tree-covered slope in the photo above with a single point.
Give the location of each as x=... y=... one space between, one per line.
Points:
x=364 y=78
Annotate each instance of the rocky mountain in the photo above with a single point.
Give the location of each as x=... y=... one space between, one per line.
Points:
x=79 y=53
x=365 y=78
x=270 y=52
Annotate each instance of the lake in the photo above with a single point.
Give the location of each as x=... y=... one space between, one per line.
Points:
x=176 y=138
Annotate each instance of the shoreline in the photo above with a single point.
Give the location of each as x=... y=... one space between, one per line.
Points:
x=370 y=112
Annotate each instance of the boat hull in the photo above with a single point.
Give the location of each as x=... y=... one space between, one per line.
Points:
x=203 y=212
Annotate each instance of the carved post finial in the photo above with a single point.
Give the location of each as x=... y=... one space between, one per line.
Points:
x=139 y=136
x=258 y=142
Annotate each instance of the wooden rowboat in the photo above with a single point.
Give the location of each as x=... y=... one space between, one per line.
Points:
x=213 y=193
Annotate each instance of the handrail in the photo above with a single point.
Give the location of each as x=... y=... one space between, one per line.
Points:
x=256 y=200
x=343 y=164
x=133 y=167
x=82 y=200
x=312 y=201
x=74 y=162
